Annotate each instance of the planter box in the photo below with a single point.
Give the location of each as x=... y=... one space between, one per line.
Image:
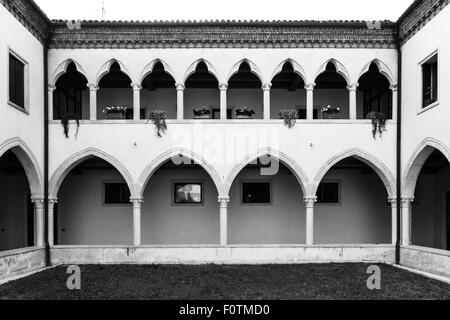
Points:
x=243 y=117
x=115 y=115
x=205 y=116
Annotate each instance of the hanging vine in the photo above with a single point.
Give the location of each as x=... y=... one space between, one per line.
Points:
x=65 y=121
x=378 y=122
x=158 y=118
x=289 y=117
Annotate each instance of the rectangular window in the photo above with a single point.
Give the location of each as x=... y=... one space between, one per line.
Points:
x=16 y=81
x=256 y=193
x=116 y=193
x=328 y=193
x=430 y=81
x=188 y=193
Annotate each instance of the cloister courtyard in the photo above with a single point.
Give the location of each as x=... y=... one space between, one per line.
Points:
x=229 y=282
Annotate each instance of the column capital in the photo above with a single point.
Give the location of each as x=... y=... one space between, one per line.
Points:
x=310 y=86
x=51 y=87
x=407 y=201
x=223 y=86
x=180 y=86
x=266 y=86
x=92 y=87
x=393 y=87
x=223 y=201
x=353 y=87
x=393 y=201
x=137 y=201
x=38 y=202
x=310 y=201
x=136 y=87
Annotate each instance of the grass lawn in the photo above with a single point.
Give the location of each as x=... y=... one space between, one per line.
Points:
x=211 y=282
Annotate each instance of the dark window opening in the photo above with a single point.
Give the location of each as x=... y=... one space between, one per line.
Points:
x=430 y=82
x=117 y=193
x=256 y=193
x=16 y=82
x=188 y=193
x=328 y=193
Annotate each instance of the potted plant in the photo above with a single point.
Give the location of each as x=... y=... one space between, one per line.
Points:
x=65 y=122
x=158 y=118
x=289 y=117
x=202 y=113
x=330 y=111
x=378 y=122
x=115 y=112
x=244 y=113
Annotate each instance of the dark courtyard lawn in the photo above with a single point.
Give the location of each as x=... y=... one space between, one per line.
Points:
x=210 y=282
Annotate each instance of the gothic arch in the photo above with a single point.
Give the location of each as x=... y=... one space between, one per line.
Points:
x=29 y=164
x=191 y=70
x=416 y=162
x=164 y=157
x=377 y=165
x=283 y=158
x=149 y=69
x=340 y=69
x=107 y=66
x=297 y=69
x=255 y=70
x=62 y=69
x=382 y=68
x=66 y=167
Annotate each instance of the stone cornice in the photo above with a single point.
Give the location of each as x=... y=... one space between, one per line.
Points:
x=417 y=16
x=30 y=16
x=209 y=35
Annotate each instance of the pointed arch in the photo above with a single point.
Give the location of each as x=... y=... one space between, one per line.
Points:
x=377 y=165
x=382 y=68
x=149 y=69
x=164 y=157
x=29 y=164
x=340 y=69
x=254 y=69
x=297 y=69
x=299 y=174
x=66 y=167
x=106 y=68
x=416 y=162
x=62 y=69
x=191 y=70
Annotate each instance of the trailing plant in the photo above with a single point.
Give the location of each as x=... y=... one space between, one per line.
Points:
x=330 y=110
x=65 y=121
x=115 y=109
x=244 y=111
x=202 y=111
x=289 y=117
x=158 y=118
x=378 y=122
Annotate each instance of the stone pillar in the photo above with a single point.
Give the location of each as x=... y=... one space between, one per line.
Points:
x=137 y=204
x=406 y=221
x=51 y=219
x=352 y=89
x=223 y=101
x=393 y=203
x=310 y=202
x=394 y=90
x=180 y=101
x=92 y=101
x=136 y=101
x=51 y=89
x=310 y=101
x=266 y=89
x=223 y=205
x=38 y=222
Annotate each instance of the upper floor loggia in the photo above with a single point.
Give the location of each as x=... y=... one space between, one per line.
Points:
x=245 y=94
